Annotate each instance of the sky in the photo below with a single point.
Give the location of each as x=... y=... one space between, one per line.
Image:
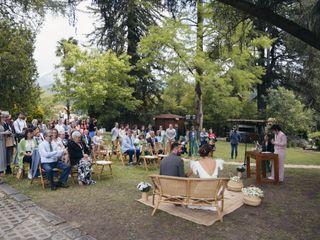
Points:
x=54 y=29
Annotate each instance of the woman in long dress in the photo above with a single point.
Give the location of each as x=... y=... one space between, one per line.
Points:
x=206 y=167
x=2 y=148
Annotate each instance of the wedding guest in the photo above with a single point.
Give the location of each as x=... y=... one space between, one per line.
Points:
x=172 y=165
x=211 y=135
x=50 y=159
x=20 y=125
x=128 y=147
x=77 y=149
x=86 y=139
x=115 y=135
x=34 y=124
x=280 y=145
x=97 y=138
x=177 y=137
x=193 y=144
x=9 y=140
x=38 y=135
x=92 y=127
x=122 y=133
x=234 y=141
x=3 y=151
x=171 y=134
x=60 y=126
x=26 y=147
x=152 y=140
x=203 y=137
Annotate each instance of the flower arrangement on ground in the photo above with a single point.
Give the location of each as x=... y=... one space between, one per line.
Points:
x=235 y=179
x=253 y=192
x=252 y=196
x=235 y=184
x=144 y=187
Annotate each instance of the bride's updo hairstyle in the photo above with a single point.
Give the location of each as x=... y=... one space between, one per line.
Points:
x=205 y=150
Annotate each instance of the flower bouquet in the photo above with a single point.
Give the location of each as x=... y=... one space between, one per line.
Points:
x=252 y=196
x=235 y=184
x=144 y=187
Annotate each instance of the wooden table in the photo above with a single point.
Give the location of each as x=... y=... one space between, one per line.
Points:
x=260 y=157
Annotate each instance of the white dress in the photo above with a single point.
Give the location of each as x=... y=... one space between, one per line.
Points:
x=198 y=170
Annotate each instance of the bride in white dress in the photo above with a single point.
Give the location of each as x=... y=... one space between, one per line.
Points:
x=206 y=167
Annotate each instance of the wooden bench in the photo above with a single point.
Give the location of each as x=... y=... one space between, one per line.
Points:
x=189 y=191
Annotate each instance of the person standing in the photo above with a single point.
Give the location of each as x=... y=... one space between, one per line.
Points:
x=170 y=135
x=3 y=151
x=203 y=137
x=176 y=127
x=234 y=141
x=280 y=145
x=92 y=127
x=267 y=146
x=20 y=125
x=114 y=135
x=9 y=140
x=193 y=144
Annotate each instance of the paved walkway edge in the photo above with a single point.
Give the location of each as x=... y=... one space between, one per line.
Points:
x=286 y=165
x=20 y=218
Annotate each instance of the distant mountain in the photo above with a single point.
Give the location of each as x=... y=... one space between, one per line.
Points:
x=45 y=81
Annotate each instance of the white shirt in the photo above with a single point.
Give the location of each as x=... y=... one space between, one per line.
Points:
x=48 y=156
x=19 y=125
x=59 y=127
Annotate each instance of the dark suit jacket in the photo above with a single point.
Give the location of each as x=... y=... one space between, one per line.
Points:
x=267 y=148
x=172 y=165
x=76 y=152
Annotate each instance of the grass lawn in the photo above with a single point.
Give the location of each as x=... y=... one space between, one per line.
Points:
x=294 y=155
x=108 y=210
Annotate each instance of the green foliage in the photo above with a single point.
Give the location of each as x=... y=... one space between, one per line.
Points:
x=98 y=80
x=315 y=136
x=289 y=112
x=18 y=72
x=227 y=81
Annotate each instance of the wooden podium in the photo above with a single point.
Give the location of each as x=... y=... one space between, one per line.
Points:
x=260 y=157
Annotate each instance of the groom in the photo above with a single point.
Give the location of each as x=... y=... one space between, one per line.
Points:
x=172 y=165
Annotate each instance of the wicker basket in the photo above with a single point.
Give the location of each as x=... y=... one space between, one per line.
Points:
x=252 y=201
x=235 y=186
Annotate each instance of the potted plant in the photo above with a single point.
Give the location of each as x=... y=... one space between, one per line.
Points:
x=144 y=188
x=240 y=170
x=252 y=196
x=235 y=184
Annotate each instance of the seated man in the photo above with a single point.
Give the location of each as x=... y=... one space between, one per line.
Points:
x=129 y=148
x=50 y=159
x=172 y=165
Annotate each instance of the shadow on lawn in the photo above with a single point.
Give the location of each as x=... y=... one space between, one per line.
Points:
x=108 y=210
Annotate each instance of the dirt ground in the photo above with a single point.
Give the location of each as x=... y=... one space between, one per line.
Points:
x=108 y=210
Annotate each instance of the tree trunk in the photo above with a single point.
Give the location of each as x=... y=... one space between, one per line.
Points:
x=198 y=87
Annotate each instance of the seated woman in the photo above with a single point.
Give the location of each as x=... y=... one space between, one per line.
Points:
x=206 y=167
x=26 y=147
x=97 y=139
x=79 y=157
